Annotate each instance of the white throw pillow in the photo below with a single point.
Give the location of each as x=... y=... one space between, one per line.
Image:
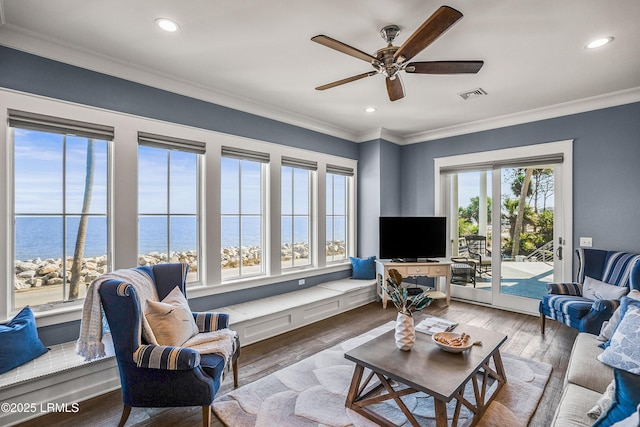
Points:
x=609 y=326
x=595 y=289
x=171 y=320
x=604 y=402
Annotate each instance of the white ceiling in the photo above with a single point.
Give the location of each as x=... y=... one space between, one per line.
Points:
x=257 y=56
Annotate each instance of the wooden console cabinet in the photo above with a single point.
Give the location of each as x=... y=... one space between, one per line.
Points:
x=441 y=270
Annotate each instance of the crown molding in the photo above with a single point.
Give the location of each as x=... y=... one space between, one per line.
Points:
x=33 y=43
x=558 y=110
x=379 y=133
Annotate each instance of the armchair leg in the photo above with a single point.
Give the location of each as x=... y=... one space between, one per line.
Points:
x=542 y=321
x=126 y=410
x=206 y=416
x=235 y=373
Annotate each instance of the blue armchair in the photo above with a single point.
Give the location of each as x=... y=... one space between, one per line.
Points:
x=565 y=301
x=175 y=376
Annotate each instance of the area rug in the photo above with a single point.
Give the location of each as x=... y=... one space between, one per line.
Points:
x=312 y=392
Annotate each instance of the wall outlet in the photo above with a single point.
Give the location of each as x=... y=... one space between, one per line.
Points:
x=301 y=282
x=586 y=242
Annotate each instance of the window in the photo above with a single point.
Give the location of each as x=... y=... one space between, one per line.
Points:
x=337 y=213
x=295 y=213
x=60 y=193
x=242 y=210
x=169 y=201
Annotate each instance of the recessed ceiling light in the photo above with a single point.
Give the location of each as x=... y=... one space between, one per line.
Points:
x=599 y=42
x=167 y=25
x=370 y=110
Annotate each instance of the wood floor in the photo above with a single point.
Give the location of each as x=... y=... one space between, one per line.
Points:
x=270 y=355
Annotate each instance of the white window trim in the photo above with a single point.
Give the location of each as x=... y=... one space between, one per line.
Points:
x=123 y=209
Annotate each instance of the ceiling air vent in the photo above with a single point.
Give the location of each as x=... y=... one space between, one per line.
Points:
x=473 y=93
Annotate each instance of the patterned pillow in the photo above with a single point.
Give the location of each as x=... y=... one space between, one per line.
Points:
x=171 y=319
x=623 y=351
x=609 y=327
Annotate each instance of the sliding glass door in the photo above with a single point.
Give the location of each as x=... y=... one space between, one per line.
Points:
x=508 y=220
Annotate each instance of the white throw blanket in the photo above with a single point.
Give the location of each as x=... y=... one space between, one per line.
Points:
x=90 y=345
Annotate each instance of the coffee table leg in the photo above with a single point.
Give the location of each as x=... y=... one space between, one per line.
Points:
x=355 y=384
x=441 y=413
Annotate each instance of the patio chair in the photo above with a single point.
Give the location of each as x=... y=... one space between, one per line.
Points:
x=474 y=253
x=463 y=271
x=566 y=303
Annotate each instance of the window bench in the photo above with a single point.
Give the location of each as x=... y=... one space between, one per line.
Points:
x=267 y=317
x=61 y=376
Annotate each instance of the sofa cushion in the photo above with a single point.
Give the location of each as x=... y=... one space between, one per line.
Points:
x=595 y=289
x=585 y=369
x=19 y=341
x=573 y=407
x=627 y=398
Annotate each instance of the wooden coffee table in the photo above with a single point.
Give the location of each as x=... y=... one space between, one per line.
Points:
x=426 y=368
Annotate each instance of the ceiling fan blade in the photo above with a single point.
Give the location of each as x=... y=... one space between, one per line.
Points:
x=429 y=31
x=444 y=67
x=395 y=89
x=344 y=48
x=347 y=80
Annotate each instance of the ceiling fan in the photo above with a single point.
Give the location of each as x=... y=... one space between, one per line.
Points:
x=390 y=60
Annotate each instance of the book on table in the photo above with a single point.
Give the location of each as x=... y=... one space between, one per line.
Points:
x=432 y=324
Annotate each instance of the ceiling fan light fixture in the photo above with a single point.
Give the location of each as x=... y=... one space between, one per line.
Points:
x=167 y=25
x=599 y=42
x=370 y=110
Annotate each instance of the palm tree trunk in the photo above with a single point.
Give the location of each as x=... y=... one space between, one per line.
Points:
x=520 y=218
x=78 y=254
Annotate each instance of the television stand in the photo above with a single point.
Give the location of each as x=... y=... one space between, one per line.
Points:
x=440 y=269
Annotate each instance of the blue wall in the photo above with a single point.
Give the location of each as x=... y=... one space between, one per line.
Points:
x=32 y=74
x=606 y=159
x=393 y=180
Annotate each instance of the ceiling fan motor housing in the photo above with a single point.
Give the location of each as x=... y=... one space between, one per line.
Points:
x=389 y=33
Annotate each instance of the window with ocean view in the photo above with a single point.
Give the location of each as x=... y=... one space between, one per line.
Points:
x=60 y=180
x=296 y=220
x=169 y=201
x=337 y=213
x=242 y=212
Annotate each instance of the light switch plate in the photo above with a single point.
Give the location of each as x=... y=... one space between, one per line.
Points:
x=586 y=242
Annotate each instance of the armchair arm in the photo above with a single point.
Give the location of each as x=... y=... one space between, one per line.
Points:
x=166 y=357
x=211 y=321
x=573 y=288
x=605 y=305
x=601 y=311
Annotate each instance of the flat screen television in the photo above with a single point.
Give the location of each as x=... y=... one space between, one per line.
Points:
x=411 y=238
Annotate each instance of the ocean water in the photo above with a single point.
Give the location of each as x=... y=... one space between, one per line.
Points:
x=41 y=237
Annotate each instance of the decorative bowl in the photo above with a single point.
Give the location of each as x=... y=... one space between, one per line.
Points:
x=445 y=340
